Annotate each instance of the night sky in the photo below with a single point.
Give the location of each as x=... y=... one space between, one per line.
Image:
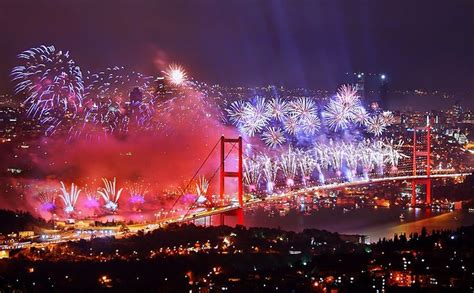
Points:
x=418 y=44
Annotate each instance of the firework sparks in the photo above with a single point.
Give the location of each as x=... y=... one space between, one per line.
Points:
x=255 y=117
x=252 y=172
x=347 y=95
x=236 y=112
x=51 y=82
x=47 y=201
x=110 y=194
x=273 y=137
x=270 y=170
x=176 y=74
x=278 y=109
x=337 y=115
x=306 y=163
x=376 y=125
x=92 y=198
x=289 y=164
x=137 y=193
x=202 y=186
x=69 y=197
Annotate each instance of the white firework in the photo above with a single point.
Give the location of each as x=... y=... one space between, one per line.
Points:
x=310 y=125
x=360 y=116
x=322 y=156
x=388 y=118
x=252 y=172
x=304 y=109
x=176 y=74
x=289 y=165
x=306 y=163
x=273 y=137
x=110 y=194
x=337 y=115
x=255 y=117
x=236 y=112
x=270 y=170
x=202 y=186
x=351 y=155
x=69 y=197
x=291 y=125
x=336 y=157
x=376 y=125
x=347 y=95
x=278 y=109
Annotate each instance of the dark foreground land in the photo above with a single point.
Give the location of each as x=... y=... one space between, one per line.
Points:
x=186 y=257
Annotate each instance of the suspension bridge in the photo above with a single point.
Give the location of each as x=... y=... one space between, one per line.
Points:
x=416 y=168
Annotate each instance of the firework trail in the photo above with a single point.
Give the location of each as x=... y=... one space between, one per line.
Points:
x=306 y=164
x=92 y=198
x=337 y=157
x=251 y=172
x=51 y=83
x=69 y=197
x=351 y=155
x=110 y=194
x=394 y=154
x=116 y=97
x=202 y=186
x=47 y=201
x=289 y=165
x=270 y=170
x=137 y=193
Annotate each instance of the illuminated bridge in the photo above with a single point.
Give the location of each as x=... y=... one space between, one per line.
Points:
x=415 y=169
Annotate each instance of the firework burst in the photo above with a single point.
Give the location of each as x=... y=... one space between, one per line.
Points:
x=289 y=165
x=51 y=82
x=47 y=201
x=278 y=109
x=270 y=170
x=273 y=137
x=376 y=125
x=255 y=117
x=176 y=74
x=252 y=172
x=69 y=197
x=236 y=112
x=110 y=194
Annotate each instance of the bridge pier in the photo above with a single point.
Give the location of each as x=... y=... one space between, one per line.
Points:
x=427 y=183
x=238 y=214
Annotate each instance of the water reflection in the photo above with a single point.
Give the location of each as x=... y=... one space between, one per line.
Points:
x=373 y=222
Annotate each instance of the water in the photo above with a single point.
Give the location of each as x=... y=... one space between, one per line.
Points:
x=373 y=222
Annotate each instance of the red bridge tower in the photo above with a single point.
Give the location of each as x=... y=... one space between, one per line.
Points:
x=421 y=167
x=238 y=174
